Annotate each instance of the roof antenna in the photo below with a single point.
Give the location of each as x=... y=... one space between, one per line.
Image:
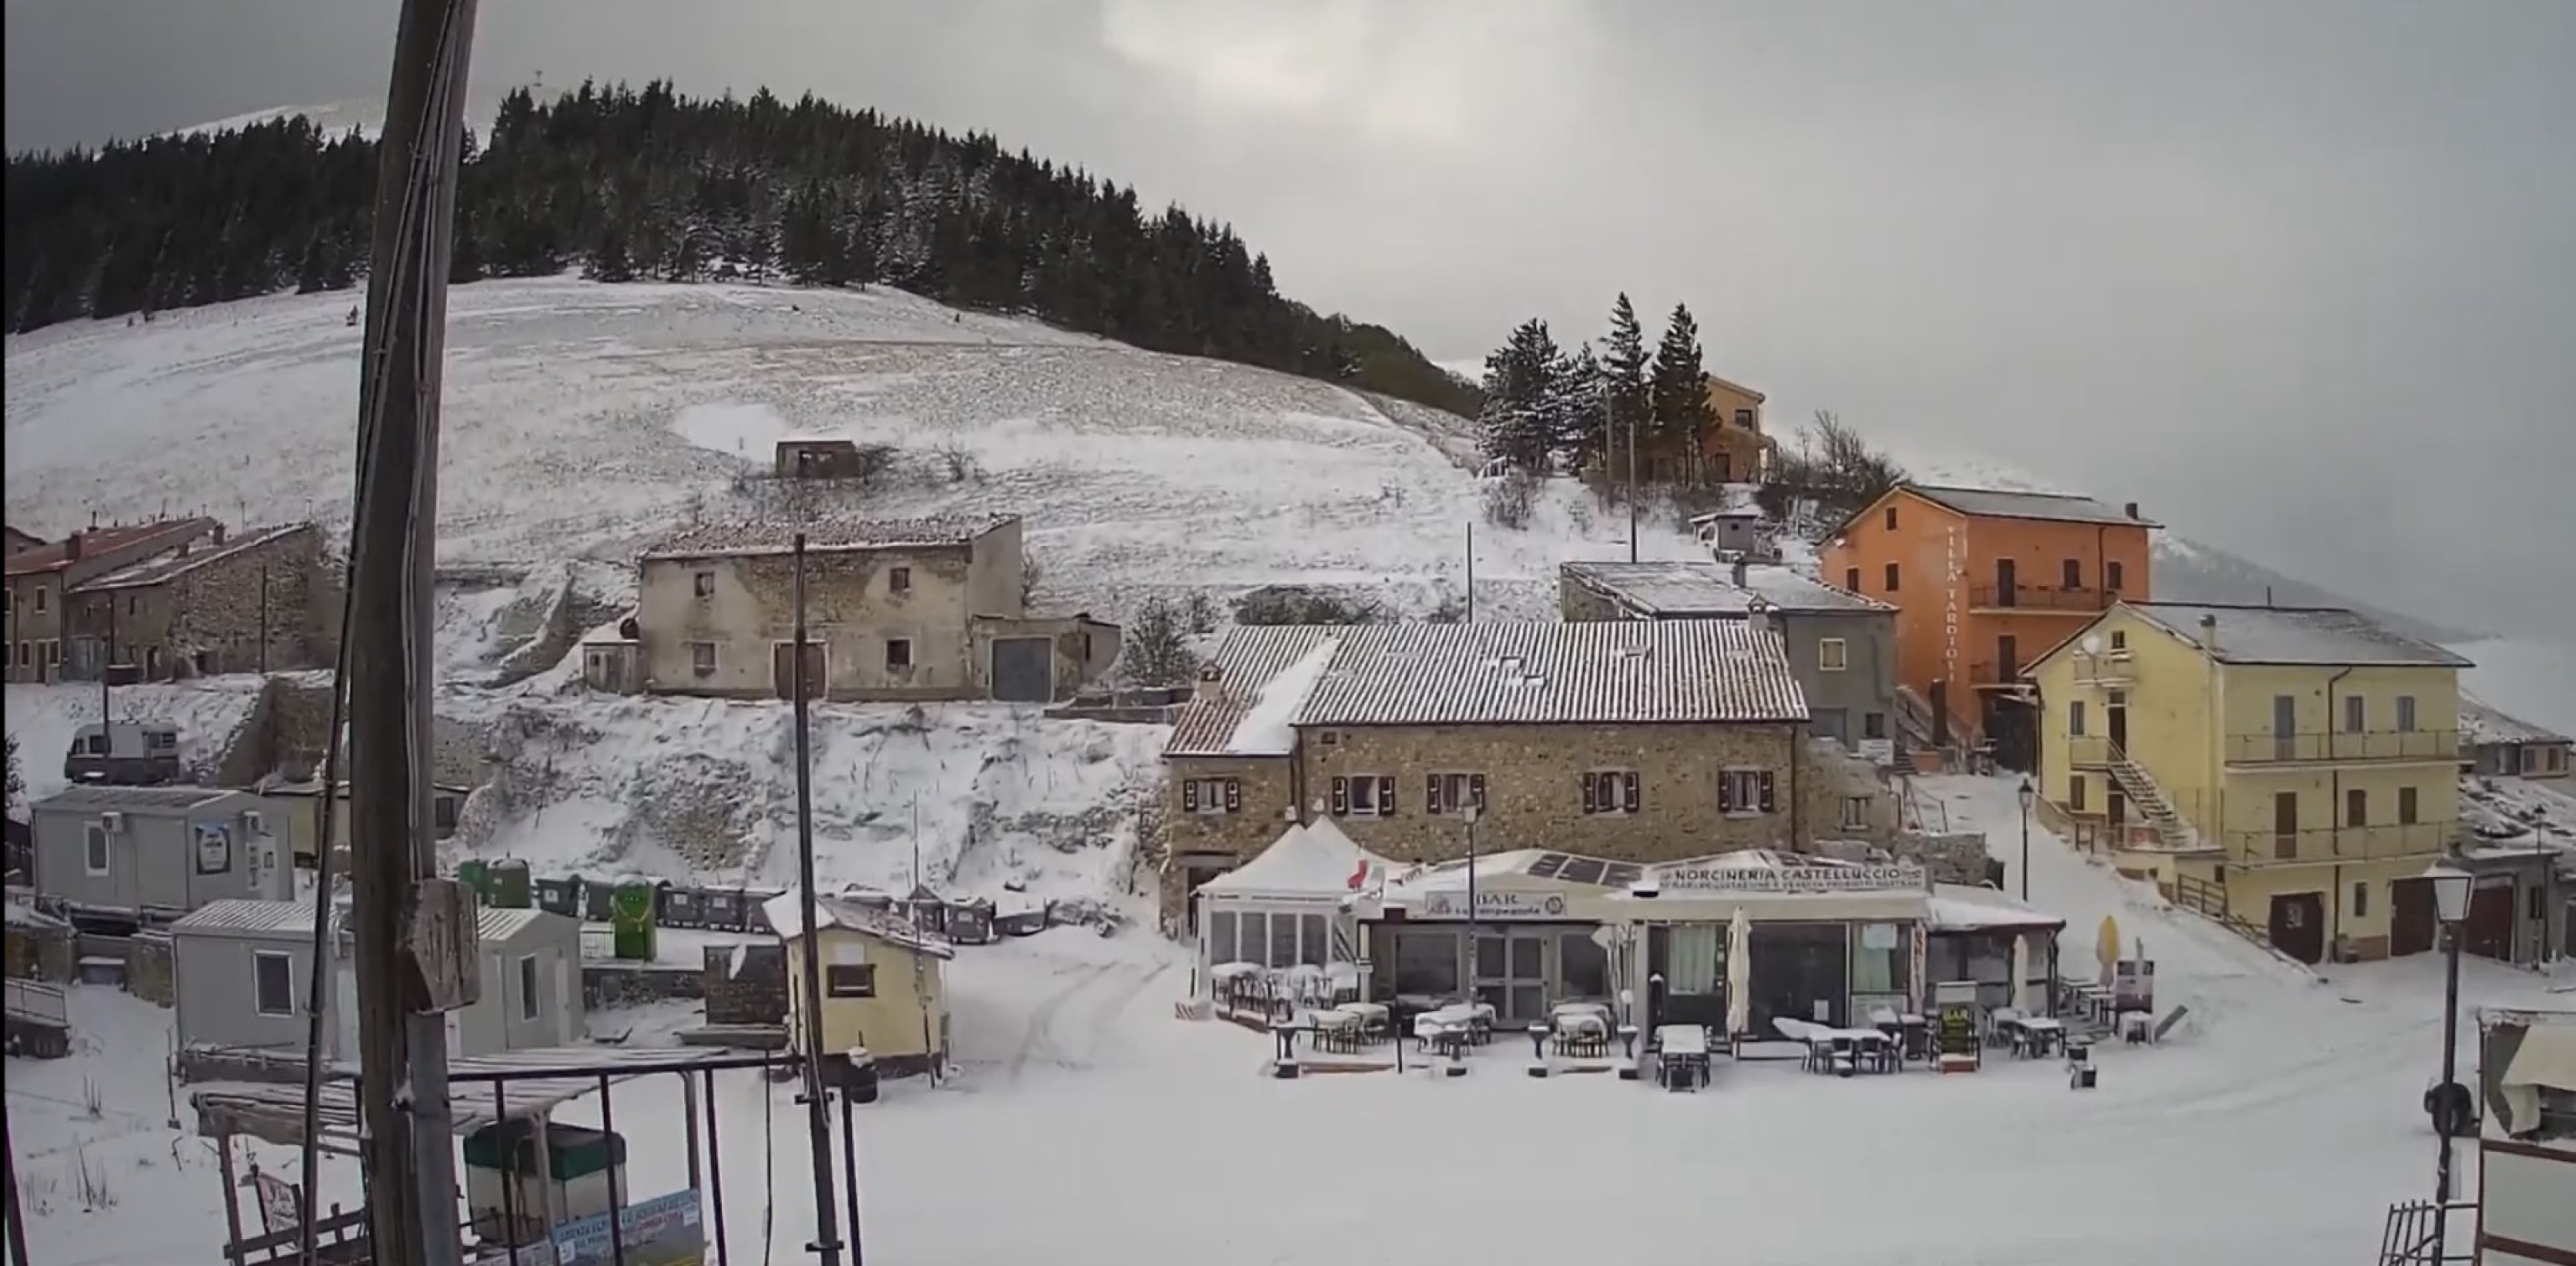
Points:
x=2267 y=595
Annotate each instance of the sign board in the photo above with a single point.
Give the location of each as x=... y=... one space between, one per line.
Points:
x=1879 y=878
x=664 y=1231
x=2133 y=985
x=214 y=848
x=1493 y=905
x=281 y=1204
x=1954 y=1026
x=444 y=946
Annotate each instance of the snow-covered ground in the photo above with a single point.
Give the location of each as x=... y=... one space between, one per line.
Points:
x=2276 y=1126
x=44 y=719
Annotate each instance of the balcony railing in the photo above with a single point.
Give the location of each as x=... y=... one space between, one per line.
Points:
x=2343 y=745
x=2041 y=599
x=2088 y=751
x=2114 y=668
x=1990 y=673
x=2342 y=843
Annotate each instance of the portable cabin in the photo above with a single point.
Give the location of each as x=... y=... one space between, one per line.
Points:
x=155 y=849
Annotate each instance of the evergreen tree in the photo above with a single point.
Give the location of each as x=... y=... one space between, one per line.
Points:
x=1678 y=386
x=1623 y=365
x=1515 y=424
x=1574 y=413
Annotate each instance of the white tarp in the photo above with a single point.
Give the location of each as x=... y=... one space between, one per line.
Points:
x=1307 y=863
x=2547 y=1058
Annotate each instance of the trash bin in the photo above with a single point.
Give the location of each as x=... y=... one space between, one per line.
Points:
x=859 y=1076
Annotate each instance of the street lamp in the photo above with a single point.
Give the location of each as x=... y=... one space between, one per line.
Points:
x=2451 y=903
x=2026 y=794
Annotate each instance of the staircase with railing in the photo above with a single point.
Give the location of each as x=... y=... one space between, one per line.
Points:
x=1913 y=720
x=2173 y=834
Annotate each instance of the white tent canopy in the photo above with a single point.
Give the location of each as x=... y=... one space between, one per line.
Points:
x=1306 y=865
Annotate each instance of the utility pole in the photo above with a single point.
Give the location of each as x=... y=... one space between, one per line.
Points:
x=404 y=1115
x=818 y=1121
x=1471 y=571
x=263 y=620
x=1632 y=490
x=106 y=657
x=17 y=1223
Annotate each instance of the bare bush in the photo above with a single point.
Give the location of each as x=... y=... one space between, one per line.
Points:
x=1451 y=609
x=957 y=462
x=1511 y=500
x=1201 y=613
x=1834 y=467
x=1156 y=648
x=89 y=1182
x=1298 y=604
x=93 y=1099
x=1030 y=575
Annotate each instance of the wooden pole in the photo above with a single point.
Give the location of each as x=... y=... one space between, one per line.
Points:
x=9 y=1180
x=232 y=1188
x=402 y=1044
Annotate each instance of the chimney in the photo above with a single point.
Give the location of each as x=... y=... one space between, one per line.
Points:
x=72 y=547
x=2209 y=633
x=2131 y=509
x=1211 y=687
x=219 y=528
x=1739 y=573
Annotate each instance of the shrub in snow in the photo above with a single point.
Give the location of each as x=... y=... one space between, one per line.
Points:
x=1156 y=651
x=1300 y=604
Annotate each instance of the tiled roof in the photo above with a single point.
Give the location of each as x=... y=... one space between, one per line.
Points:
x=2004 y=503
x=1245 y=662
x=85 y=798
x=2319 y=636
x=787 y=917
x=720 y=540
x=239 y=917
x=1671 y=590
x=56 y=555
x=153 y=571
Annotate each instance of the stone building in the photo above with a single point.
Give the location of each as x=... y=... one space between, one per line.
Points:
x=1628 y=740
x=895 y=609
x=41 y=575
x=260 y=601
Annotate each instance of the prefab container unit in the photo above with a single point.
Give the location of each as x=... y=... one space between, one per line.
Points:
x=148 y=850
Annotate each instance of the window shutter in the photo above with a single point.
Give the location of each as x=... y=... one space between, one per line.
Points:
x=1770 y=802
x=1190 y=796
x=1633 y=788
x=1476 y=790
x=1234 y=795
x=1591 y=794
x=1341 y=796
x=1386 y=795
x=1431 y=793
x=1726 y=791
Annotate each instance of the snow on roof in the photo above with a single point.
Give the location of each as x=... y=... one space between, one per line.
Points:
x=1316 y=860
x=235 y=916
x=86 y=798
x=2480 y=722
x=2323 y=636
x=772 y=536
x=1242 y=666
x=1962 y=908
x=1609 y=672
x=1270 y=727
x=1667 y=590
x=2001 y=503
x=56 y=555
x=1536 y=863
x=168 y=567
x=494 y=924
x=787 y=915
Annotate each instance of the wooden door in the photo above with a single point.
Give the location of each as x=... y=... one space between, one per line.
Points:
x=2117 y=812
x=2299 y=925
x=2118 y=715
x=2490 y=926
x=2006 y=583
x=2412 y=916
x=782 y=670
x=2285 y=825
x=2007 y=659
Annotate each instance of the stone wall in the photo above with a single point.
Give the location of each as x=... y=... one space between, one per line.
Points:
x=1829 y=779
x=746 y=984
x=1534 y=796
x=605 y=985
x=211 y=617
x=1958 y=858
x=1267 y=805
x=855 y=605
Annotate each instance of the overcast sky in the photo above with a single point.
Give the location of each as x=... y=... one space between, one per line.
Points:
x=2298 y=275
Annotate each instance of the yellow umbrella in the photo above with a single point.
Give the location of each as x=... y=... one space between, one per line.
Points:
x=2106 y=948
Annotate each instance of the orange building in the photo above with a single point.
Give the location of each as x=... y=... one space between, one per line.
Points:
x=1984 y=581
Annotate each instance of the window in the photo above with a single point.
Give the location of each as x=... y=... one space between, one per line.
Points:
x=1585 y=967
x=2356 y=714
x=1891 y=573
x=1851 y=579
x=2074 y=574
x=40 y=599
x=2075 y=792
x=1611 y=791
x=1364 y=796
x=703 y=584
x=1873 y=725
x=1212 y=795
x=2361 y=900
x=899 y=579
x=133 y=604
x=2119 y=639
x=1833 y=654
x=1891 y=518
x=702 y=658
x=2356 y=807
x=527 y=986
x=2405 y=714
x=1855 y=813
x=898 y=654
x=1220 y=936
x=2536 y=901
x=95 y=744
x=2075 y=718
x=1452 y=793
x=272 y=978
x=2406 y=806
x=2111 y=578
x=849 y=980
x=1875 y=965
x=1744 y=418
x=1746 y=791
x=94 y=853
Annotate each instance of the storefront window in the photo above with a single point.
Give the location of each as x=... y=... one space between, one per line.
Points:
x=1426 y=962
x=1696 y=961
x=1877 y=965
x=1220 y=937
x=1314 y=941
x=1582 y=966
x=1283 y=941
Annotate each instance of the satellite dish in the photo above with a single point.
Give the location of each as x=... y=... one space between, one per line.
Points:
x=2092 y=643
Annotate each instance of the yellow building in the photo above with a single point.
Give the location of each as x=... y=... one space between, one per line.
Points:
x=884 y=987
x=2289 y=770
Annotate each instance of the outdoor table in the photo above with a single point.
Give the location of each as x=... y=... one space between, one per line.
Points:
x=1628 y=1042
x=1856 y=1045
x=2044 y=1034
x=1373 y=1015
x=1681 y=1056
x=1581 y=1031
x=1477 y=1018
x=1439 y=1034
x=1335 y=1028
x=2137 y=1026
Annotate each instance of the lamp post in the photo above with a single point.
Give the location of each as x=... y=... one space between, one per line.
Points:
x=2025 y=795
x=2451 y=903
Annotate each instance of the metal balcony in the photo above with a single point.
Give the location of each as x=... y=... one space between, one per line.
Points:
x=1989 y=675
x=2112 y=669
x=2356 y=746
x=2343 y=843
x=2040 y=600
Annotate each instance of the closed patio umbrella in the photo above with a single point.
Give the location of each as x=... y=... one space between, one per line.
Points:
x=2020 y=971
x=1739 y=974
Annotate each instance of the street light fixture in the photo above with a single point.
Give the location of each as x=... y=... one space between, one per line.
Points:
x=2449 y=1101
x=2027 y=794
